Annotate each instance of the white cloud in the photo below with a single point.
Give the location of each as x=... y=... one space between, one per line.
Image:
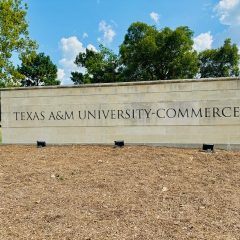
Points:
x=108 y=33
x=85 y=35
x=60 y=74
x=91 y=47
x=70 y=48
x=228 y=12
x=155 y=17
x=203 y=41
x=227 y=4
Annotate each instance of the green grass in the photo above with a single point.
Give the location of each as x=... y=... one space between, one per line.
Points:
x=0 y=135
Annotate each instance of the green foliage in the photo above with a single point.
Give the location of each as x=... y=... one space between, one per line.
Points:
x=221 y=62
x=149 y=54
x=38 y=70
x=77 y=78
x=14 y=39
x=100 y=67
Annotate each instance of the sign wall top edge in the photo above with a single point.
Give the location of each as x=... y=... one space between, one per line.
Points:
x=135 y=83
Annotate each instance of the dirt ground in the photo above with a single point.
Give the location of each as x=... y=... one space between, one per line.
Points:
x=135 y=192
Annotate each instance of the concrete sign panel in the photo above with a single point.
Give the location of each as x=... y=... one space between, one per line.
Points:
x=176 y=112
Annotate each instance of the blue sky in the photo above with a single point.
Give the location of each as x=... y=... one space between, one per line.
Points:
x=63 y=28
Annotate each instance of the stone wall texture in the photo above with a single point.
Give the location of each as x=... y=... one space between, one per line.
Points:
x=170 y=113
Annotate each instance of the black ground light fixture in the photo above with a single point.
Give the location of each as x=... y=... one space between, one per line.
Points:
x=208 y=147
x=41 y=144
x=119 y=143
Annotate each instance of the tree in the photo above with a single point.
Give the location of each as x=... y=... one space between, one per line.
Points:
x=77 y=78
x=100 y=67
x=14 y=39
x=38 y=70
x=149 y=54
x=221 y=62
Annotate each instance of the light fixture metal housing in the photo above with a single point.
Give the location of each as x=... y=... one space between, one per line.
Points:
x=41 y=144
x=119 y=143
x=208 y=147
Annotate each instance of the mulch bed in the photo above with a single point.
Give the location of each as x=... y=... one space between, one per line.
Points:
x=134 y=192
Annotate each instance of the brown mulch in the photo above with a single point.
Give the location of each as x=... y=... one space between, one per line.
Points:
x=135 y=192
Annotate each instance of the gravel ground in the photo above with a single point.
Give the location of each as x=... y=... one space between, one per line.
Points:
x=135 y=192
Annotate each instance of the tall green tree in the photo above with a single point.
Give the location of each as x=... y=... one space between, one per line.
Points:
x=78 y=78
x=38 y=70
x=14 y=39
x=149 y=54
x=100 y=67
x=220 y=62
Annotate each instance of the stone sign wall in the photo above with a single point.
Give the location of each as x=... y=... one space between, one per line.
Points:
x=176 y=112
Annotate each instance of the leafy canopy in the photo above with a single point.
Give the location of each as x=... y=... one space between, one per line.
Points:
x=150 y=54
x=38 y=70
x=14 y=39
x=220 y=62
x=145 y=54
x=100 y=67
